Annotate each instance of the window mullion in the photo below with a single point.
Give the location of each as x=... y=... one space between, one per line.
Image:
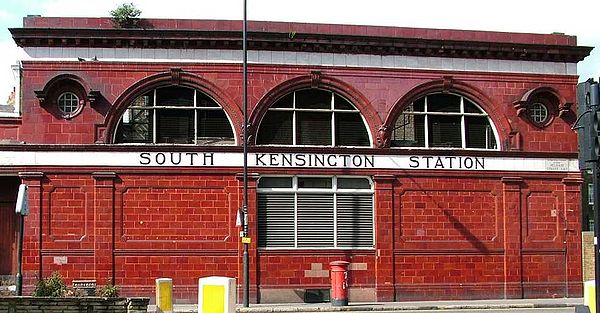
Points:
x=154 y=119
x=335 y=231
x=295 y=186
x=333 y=143
x=426 y=123
x=463 y=126
x=332 y=106
x=294 y=120
x=463 y=132
x=426 y=126
x=195 y=117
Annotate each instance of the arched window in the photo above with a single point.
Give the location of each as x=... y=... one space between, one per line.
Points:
x=176 y=115
x=444 y=120
x=313 y=117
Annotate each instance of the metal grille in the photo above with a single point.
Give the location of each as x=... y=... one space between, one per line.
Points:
x=355 y=221
x=315 y=212
x=315 y=220
x=276 y=224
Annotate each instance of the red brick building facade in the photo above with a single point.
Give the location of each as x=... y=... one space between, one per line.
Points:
x=440 y=163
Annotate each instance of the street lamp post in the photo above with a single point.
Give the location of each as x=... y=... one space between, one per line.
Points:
x=245 y=257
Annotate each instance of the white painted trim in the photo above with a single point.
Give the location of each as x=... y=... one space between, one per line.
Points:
x=286 y=160
x=16 y=70
x=299 y=58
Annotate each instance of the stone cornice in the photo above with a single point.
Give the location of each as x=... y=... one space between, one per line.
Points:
x=293 y=41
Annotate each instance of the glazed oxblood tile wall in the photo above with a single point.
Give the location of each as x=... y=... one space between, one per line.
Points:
x=467 y=200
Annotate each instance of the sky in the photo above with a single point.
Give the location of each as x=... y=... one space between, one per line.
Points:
x=575 y=17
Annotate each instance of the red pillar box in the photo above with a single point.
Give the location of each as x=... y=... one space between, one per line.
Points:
x=339 y=283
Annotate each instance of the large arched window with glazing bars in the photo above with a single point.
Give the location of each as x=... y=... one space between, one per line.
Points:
x=313 y=117
x=174 y=115
x=444 y=120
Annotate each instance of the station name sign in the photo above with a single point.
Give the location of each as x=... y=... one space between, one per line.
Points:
x=285 y=160
x=310 y=160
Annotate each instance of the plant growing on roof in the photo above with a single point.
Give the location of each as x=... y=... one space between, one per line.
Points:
x=126 y=15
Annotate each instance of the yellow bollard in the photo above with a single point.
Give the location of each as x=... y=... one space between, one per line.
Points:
x=216 y=295
x=164 y=295
x=589 y=295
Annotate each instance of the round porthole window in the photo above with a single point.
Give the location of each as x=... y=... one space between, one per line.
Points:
x=68 y=104
x=538 y=113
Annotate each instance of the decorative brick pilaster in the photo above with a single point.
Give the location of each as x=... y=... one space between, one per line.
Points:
x=252 y=233
x=572 y=223
x=384 y=237
x=513 y=274
x=104 y=204
x=32 y=241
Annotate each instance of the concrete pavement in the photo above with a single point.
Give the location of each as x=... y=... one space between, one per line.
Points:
x=398 y=306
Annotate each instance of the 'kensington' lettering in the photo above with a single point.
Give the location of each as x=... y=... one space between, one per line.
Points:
x=314 y=160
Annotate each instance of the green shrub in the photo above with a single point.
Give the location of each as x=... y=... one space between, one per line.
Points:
x=126 y=15
x=109 y=291
x=52 y=286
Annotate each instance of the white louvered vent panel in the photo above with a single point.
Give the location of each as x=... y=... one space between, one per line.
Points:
x=315 y=220
x=276 y=220
x=355 y=221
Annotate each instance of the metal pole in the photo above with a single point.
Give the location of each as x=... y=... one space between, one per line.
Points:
x=19 y=279
x=596 y=180
x=245 y=257
x=592 y=104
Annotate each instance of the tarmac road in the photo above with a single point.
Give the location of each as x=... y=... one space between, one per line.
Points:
x=554 y=305
x=488 y=310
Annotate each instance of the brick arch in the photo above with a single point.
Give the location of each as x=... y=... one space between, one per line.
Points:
x=446 y=84
x=58 y=82
x=315 y=80
x=529 y=94
x=173 y=78
x=65 y=82
x=67 y=77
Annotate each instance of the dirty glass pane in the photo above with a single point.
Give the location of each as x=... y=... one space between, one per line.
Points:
x=135 y=127
x=174 y=96
x=441 y=102
x=313 y=99
x=276 y=129
x=444 y=131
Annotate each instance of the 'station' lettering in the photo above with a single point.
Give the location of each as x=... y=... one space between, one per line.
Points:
x=177 y=158
x=447 y=162
x=314 y=160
